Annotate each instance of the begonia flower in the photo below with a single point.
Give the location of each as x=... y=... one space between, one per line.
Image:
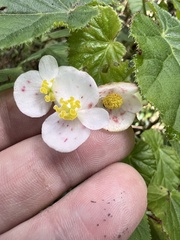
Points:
x=120 y=101
x=33 y=90
x=76 y=95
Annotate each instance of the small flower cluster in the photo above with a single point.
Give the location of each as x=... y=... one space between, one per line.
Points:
x=80 y=106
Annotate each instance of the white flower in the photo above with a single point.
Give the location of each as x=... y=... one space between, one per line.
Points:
x=33 y=89
x=76 y=95
x=121 y=103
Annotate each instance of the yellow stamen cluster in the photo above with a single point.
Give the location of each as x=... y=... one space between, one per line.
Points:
x=68 y=108
x=112 y=101
x=46 y=88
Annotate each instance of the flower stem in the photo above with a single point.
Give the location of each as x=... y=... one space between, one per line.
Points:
x=144 y=6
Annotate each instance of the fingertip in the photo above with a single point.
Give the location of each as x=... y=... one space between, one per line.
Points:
x=116 y=201
x=109 y=205
x=107 y=146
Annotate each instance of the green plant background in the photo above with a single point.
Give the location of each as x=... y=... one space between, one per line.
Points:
x=114 y=41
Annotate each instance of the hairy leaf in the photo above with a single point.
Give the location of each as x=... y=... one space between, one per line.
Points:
x=158 y=67
x=95 y=49
x=163 y=197
x=165 y=205
x=142 y=231
x=167 y=172
x=158 y=164
x=156 y=229
x=143 y=160
x=21 y=21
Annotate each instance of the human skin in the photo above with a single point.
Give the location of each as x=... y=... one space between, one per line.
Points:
x=106 y=199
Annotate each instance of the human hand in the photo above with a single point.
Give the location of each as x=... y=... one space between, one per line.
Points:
x=107 y=201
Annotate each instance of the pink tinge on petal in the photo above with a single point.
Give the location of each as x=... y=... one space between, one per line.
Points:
x=90 y=105
x=103 y=92
x=128 y=87
x=115 y=119
x=115 y=87
x=62 y=135
x=119 y=120
x=27 y=95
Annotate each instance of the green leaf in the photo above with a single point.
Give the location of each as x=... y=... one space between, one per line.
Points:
x=168 y=168
x=165 y=205
x=142 y=231
x=158 y=67
x=176 y=4
x=135 y=6
x=58 y=34
x=143 y=160
x=176 y=146
x=163 y=199
x=156 y=229
x=154 y=139
x=157 y=163
x=6 y=86
x=95 y=49
x=22 y=21
x=177 y=7
x=9 y=74
x=81 y=16
x=116 y=73
x=167 y=172
x=57 y=50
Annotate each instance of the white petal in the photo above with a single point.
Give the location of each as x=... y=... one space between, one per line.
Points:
x=79 y=84
x=48 y=67
x=94 y=119
x=121 y=87
x=128 y=87
x=27 y=95
x=62 y=135
x=131 y=103
x=119 y=120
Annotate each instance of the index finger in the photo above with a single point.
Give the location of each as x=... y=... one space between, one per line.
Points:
x=14 y=125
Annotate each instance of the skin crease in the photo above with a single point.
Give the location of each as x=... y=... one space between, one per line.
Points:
x=109 y=199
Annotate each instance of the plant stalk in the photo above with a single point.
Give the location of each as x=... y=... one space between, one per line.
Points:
x=144 y=6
